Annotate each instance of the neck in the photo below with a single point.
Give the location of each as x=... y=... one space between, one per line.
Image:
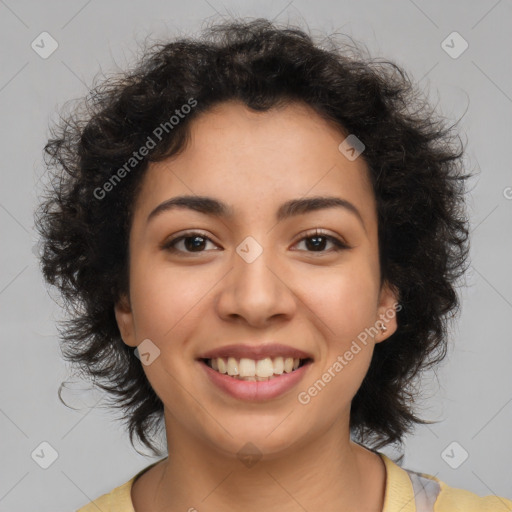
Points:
x=329 y=470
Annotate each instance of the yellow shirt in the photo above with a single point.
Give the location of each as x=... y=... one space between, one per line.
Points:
x=406 y=491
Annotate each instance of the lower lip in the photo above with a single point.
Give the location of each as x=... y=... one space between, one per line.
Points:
x=252 y=390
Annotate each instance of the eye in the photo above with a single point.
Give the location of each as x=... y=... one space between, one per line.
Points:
x=195 y=242
x=317 y=239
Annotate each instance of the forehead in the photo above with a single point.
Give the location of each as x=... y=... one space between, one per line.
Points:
x=254 y=160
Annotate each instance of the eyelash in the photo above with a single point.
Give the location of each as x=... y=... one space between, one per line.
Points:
x=338 y=244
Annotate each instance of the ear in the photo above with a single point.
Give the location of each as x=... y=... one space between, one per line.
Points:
x=387 y=310
x=124 y=318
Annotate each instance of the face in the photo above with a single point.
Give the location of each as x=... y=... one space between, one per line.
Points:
x=256 y=275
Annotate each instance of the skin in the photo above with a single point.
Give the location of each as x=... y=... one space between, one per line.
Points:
x=317 y=300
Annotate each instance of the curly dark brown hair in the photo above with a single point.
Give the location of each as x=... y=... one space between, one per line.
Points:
x=415 y=167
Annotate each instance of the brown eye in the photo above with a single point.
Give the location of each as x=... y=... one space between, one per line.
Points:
x=317 y=240
x=193 y=242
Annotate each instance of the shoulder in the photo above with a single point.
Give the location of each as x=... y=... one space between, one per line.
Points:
x=454 y=499
x=410 y=491
x=118 y=500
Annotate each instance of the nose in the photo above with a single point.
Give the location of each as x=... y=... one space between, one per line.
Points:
x=256 y=292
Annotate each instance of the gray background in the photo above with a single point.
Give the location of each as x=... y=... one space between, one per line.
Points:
x=472 y=394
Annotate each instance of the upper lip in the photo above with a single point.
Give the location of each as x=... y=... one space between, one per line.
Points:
x=239 y=351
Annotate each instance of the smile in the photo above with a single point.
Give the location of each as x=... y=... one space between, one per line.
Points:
x=253 y=387
x=253 y=370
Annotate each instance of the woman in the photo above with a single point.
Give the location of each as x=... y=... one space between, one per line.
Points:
x=261 y=242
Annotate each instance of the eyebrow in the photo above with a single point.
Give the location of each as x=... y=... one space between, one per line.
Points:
x=210 y=206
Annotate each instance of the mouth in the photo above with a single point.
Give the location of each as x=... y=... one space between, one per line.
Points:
x=255 y=370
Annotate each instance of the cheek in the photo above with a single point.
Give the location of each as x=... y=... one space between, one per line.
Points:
x=347 y=311
x=167 y=299
x=167 y=308
x=346 y=302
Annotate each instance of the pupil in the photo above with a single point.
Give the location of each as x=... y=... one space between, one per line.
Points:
x=193 y=244
x=316 y=238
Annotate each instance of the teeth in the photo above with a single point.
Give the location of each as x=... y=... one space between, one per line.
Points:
x=247 y=368
x=232 y=366
x=278 y=365
x=264 y=367
x=221 y=364
x=252 y=370
x=288 y=365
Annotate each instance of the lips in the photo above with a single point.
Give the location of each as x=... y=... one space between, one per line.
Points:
x=256 y=352
x=253 y=390
x=266 y=372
